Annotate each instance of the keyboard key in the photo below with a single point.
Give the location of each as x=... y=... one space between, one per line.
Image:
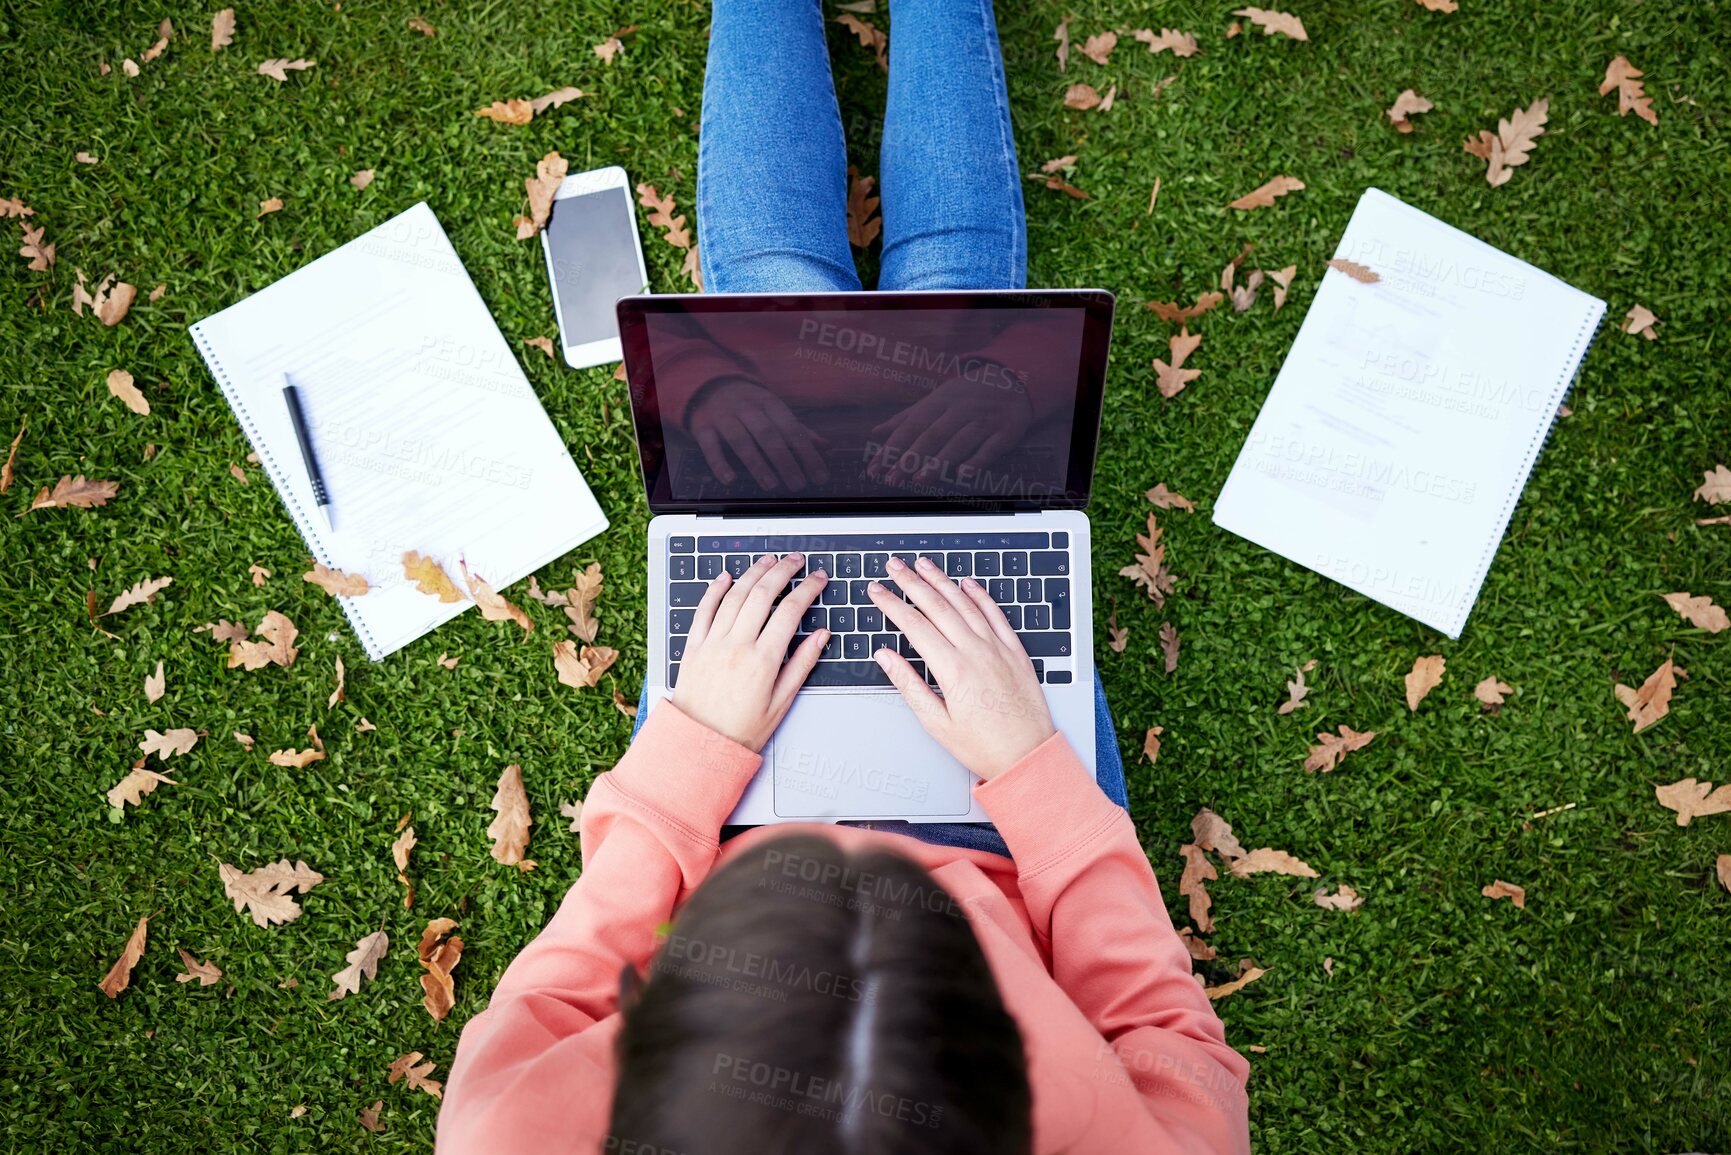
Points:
x=815 y=619
x=679 y=621
x=1047 y=645
x=841 y=620
x=685 y=593
x=672 y=675
x=959 y=565
x=1036 y=617
x=820 y=561
x=676 y=648
x=1014 y=614
x=919 y=668
x=906 y=648
x=936 y=559
x=870 y=619
x=1039 y=669
x=712 y=544
x=856 y=646
x=907 y=559
x=1002 y=590
x=1060 y=540
x=1051 y=562
x=875 y=564
x=832 y=648
x=1028 y=590
x=709 y=567
x=1058 y=677
x=1015 y=564
x=834 y=593
x=737 y=563
x=985 y=565
x=883 y=642
x=847 y=674
x=847 y=565
x=682 y=567
x=1058 y=597
x=858 y=592
x=681 y=545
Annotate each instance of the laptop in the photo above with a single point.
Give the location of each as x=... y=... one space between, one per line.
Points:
x=854 y=427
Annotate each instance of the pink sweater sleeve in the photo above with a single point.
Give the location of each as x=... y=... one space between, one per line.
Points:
x=543 y=1048
x=1096 y=911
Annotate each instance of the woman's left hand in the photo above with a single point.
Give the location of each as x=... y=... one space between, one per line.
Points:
x=733 y=678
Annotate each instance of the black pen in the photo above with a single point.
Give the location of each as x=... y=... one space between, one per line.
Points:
x=293 y=397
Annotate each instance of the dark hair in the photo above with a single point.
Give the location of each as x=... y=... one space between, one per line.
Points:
x=811 y=999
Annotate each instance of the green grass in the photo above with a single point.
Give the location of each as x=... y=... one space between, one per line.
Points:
x=1588 y=1021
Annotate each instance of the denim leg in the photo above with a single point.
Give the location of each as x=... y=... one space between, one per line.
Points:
x=952 y=193
x=771 y=164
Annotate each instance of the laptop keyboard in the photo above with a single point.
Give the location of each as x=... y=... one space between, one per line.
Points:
x=1027 y=573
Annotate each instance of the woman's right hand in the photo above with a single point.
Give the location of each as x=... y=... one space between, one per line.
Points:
x=992 y=713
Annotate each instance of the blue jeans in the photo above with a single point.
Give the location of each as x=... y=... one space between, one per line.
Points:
x=772 y=196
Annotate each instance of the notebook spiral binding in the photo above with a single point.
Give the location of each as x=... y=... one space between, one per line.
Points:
x=301 y=520
x=1577 y=357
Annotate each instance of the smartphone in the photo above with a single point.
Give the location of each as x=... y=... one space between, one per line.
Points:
x=593 y=258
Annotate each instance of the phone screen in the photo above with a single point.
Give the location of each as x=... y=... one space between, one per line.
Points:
x=594 y=260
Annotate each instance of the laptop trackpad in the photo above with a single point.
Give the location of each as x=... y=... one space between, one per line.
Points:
x=862 y=756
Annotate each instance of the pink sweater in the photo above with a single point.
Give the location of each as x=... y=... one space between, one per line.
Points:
x=1125 y=1054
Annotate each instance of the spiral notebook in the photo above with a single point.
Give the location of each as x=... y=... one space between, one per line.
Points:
x=428 y=434
x=1401 y=429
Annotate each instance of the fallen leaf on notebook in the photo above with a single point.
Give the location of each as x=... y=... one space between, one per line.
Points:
x=1653 y=700
x=1167 y=40
x=1164 y=498
x=1700 y=611
x=1099 y=48
x=1267 y=860
x=268 y=892
x=130 y=790
x=494 y=607
x=1625 y=78
x=1213 y=832
x=510 y=830
x=41 y=256
x=1640 y=320
x=870 y=37
x=580 y=601
x=1193 y=884
x=1150 y=572
x=336 y=582
x=1081 y=97
x=260 y=575
x=1282 y=279
x=1151 y=743
x=1297 y=690
x=222 y=29
x=1264 y=196
x=140 y=593
x=1330 y=750
x=1691 y=799
x=1490 y=694
x=1508 y=890
x=545 y=344
x=1407 y=104
x=167 y=744
x=862 y=225
x=581 y=669
x=1169 y=645
x=1361 y=273
x=1426 y=675
x=155 y=685
x=76 y=492
x=362 y=178
x=1271 y=22
x=1346 y=898
x=430 y=577
x=266 y=207
x=279 y=69
x=120 y=974
x=1062 y=35
x=1510 y=145
x=205 y=973
x=277 y=649
x=439 y=956
x=508 y=111
x=416 y=24
x=416 y=1079
x=1171 y=379
x=363 y=962
x=550 y=172
x=1715 y=484
x=1247 y=974
x=1172 y=313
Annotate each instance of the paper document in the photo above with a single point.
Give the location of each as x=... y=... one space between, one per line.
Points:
x=1400 y=431
x=424 y=425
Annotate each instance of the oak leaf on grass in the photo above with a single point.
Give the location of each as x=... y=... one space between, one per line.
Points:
x=6 y=475
x=363 y=962
x=260 y=575
x=336 y=582
x=416 y=1076
x=1266 y=860
x=1439 y=5
x=510 y=830
x=1508 y=890
x=1169 y=645
x=223 y=630
x=268 y=206
x=493 y=605
x=545 y=344
x=1264 y=196
x=41 y=256
x=555 y=98
x=1193 y=884
x=300 y=759
x=416 y=24
x=1271 y=22
x=1247 y=974
x=439 y=955
x=1426 y=675
x=1213 y=832
x=608 y=49
x=120 y=384
x=430 y=577
x=1653 y=700
x=1406 y=105
x=1490 y=693
x=138 y=782
x=1151 y=743
x=1170 y=379
x=1174 y=314
x=1082 y=97
x=1062 y=35
x=362 y=178
x=869 y=36
x=1691 y=799
x=1511 y=144
x=1640 y=321
x=205 y=973
x=120 y=974
x=370 y=1117
x=863 y=225
x=277 y=649
x=166 y=745
x=140 y=593
x=1715 y=486
x=278 y=69
x=155 y=685
x=1150 y=572
x=580 y=599
x=222 y=30
x=1282 y=279
x=1700 y=611
x=573 y=811
x=340 y=692
x=1296 y=689
x=75 y=492
x=1346 y=898
x=111 y=306
x=1632 y=96
x=1330 y=749
x=1196 y=945
x=1098 y=48
x=268 y=892
x=1164 y=498
x=514 y=111
x=1167 y=40
x=1722 y=867
x=550 y=172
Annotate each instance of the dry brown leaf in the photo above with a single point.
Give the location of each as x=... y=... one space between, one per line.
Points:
x=1154 y=196
x=11 y=207
x=870 y=37
x=1490 y=693
x=1099 y=48
x=260 y=575
x=1169 y=645
x=1361 y=273
x=405 y=1068
x=1062 y=35
x=167 y=745
x=510 y=830
x=142 y=592
x=6 y=474
x=1151 y=743
x=155 y=685
x=370 y=1117
x=41 y=256
x=165 y=33
x=1407 y=104
x=268 y=892
x=86 y=158
x=362 y=178
x=624 y=705
x=581 y=669
x=494 y=606
x=363 y=726
x=573 y=811
x=1264 y=196
x=1081 y=97
x=1058 y=184
x=691 y=268
x=580 y=601
x=416 y=24
x=1247 y=974
x=1297 y=690
x=1640 y=320
x=1330 y=750
x=277 y=649
x=156 y=293
x=1510 y=145
x=363 y=961
x=1271 y=22
x=1168 y=40
x=120 y=974
x=1192 y=884
x=1213 y=832
x=1282 y=279
x=1116 y=638
x=862 y=225
x=222 y=29
x=1722 y=867
x=205 y=972
x=1172 y=313
x=512 y=111
x=1426 y=675
x=337 y=694
x=1196 y=945
x=1164 y=498
x=447 y=661
x=1170 y=379
x=430 y=577
x=662 y=216
x=1653 y=700
x=1631 y=95
x=555 y=98
x=266 y=207
x=1150 y=572
x=297 y=759
x=1691 y=799
x=1700 y=611
x=1344 y=899
x=1439 y=5
x=246 y=740
x=111 y=308
x=609 y=48
x=279 y=69
x=76 y=492
x=130 y=790
x=545 y=344
x=1266 y=860
x=1508 y=890
x=1243 y=296
x=1715 y=485
x=336 y=582
x=438 y=956
x=550 y=172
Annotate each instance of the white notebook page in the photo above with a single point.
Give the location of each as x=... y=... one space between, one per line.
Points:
x=428 y=434
x=1402 y=426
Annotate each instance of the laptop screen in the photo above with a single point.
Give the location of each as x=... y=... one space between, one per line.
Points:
x=980 y=401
